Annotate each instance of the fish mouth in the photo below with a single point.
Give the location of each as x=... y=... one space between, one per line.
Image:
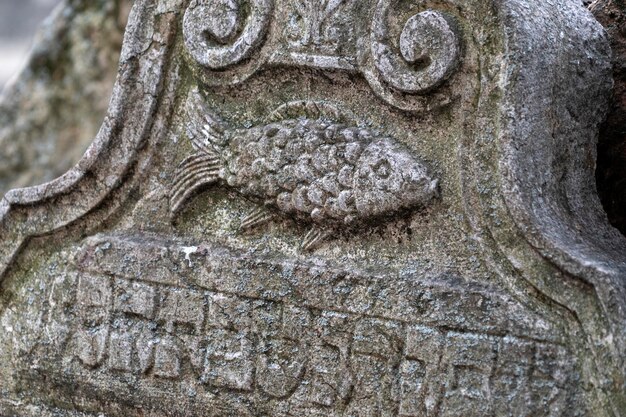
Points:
x=422 y=194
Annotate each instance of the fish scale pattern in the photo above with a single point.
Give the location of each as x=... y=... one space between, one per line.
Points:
x=304 y=163
x=302 y=167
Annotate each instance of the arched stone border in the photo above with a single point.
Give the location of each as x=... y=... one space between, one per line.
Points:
x=131 y=121
x=529 y=185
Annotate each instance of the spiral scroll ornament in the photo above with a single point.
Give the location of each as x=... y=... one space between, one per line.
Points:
x=405 y=65
x=220 y=35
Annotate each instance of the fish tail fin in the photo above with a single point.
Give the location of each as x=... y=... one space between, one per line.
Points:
x=257 y=218
x=206 y=131
x=194 y=172
x=208 y=137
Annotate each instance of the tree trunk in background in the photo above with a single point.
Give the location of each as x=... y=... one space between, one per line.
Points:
x=611 y=171
x=52 y=112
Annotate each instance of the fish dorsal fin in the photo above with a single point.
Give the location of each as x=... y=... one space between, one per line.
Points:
x=206 y=130
x=311 y=110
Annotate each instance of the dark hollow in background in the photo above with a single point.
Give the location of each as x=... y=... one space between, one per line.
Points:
x=611 y=167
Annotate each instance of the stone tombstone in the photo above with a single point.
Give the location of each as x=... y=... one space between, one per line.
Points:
x=327 y=208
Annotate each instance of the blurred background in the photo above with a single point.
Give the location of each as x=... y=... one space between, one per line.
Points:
x=19 y=19
x=58 y=64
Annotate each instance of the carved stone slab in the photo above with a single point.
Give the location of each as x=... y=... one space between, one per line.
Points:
x=327 y=208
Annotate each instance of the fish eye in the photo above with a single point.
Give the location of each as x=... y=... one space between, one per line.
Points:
x=382 y=169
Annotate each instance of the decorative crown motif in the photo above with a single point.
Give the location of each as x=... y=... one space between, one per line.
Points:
x=404 y=55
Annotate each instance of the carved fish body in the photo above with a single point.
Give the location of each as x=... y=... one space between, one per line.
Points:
x=311 y=169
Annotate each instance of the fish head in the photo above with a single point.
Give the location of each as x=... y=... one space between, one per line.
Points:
x=389 y=179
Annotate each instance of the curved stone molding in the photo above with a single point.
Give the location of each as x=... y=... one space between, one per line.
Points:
x=35 y=211
x=545 y=147
x=222 y=33
x=429 y=50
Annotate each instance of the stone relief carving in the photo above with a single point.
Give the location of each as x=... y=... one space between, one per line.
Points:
x=161 y=328
x=221 y=33
x=305 y=164
x=401 y=64
x=429 y=50
x=483 y=307
x=316 y=23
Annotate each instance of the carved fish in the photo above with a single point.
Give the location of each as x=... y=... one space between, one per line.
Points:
x=309 y=168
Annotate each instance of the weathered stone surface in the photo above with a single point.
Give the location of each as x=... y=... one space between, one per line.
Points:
x=136 y=284
x=52 y=111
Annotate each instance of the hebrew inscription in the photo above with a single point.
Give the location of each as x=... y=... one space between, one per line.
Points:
x=378 y=365
x=175 y=327
x=327 y=208
x=309 y=168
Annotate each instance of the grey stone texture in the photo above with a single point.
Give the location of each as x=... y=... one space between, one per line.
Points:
x=19 y=20
x=51 y=112
x=133 y=286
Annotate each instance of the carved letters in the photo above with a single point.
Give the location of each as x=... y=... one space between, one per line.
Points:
x=229 y=342
x=506 y=300
x=160 y=329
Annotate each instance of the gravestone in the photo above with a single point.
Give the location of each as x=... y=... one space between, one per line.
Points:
x=327 y=208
